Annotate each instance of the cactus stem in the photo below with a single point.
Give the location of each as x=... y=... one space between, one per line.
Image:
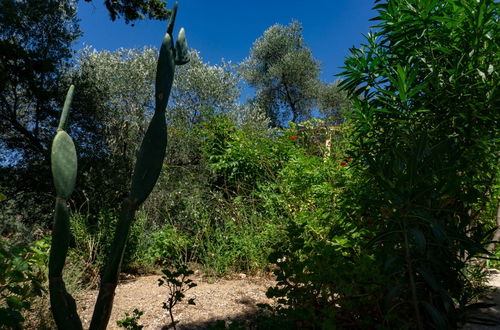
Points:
x=147 y=169
x=65 y=111
x=170 y=27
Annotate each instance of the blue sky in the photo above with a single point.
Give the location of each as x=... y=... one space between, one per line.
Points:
x=227 y=29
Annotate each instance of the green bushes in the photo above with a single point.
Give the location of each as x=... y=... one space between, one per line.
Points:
x=224 y=213
x=169 y=246
x=424 y=170
x=22 y=279
x=381 y=229
x=431 y=158
x=92 y=237
x=221 y=236
x=325 y=279
x=239 y=160
x=413 y=208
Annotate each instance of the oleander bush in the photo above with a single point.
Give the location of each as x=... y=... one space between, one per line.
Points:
x=415 y=214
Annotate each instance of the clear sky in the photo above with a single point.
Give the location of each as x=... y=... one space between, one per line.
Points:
x=227 y=29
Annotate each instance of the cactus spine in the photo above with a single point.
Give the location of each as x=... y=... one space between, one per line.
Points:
x=146 y=172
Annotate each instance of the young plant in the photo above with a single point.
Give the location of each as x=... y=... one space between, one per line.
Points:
x=22 y=274
x=178 y=283
x=147 y=169
x=131 y=322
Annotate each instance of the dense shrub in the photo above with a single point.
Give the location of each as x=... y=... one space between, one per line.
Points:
x=91 y=242
x=238 y=159
x=22 y=279
x=378 y=222
x=413 y=213
x=27 y=206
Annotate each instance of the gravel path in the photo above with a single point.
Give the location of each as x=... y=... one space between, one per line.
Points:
x=492 y=313
x=223 y=299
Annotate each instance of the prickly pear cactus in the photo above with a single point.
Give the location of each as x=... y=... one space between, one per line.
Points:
x=64 y=164
x=147 y=168
x=64 y=167
x=146 y=172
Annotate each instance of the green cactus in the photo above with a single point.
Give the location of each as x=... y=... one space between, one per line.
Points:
x=147 y=169
x=64 y=167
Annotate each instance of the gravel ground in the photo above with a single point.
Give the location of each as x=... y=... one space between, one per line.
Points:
x=492 y=313
x=223 y=299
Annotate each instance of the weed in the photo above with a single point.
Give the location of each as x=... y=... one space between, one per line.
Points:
x=131 y=322
x=178 y=283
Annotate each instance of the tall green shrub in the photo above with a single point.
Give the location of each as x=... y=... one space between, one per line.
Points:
x=425 y=88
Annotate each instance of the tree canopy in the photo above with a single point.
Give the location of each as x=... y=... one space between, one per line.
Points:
x=284 y=73
x=35 y=44
x=132 y=10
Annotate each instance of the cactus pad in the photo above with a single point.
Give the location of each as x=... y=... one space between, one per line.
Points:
x=181 y=47
x=64 y=164
x=150 y=159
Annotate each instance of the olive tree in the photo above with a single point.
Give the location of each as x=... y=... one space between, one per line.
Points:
x=132 y=10
x=284 y=73
x=202 y=90
x=114 y=90
x=35 y=45
x=333 y=103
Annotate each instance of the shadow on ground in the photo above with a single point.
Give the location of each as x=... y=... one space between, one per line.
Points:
x=486 y=318
x=240 y=321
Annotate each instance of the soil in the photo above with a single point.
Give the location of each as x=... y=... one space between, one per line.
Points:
x=216 y=299
x=222 y=299
x=490 y=315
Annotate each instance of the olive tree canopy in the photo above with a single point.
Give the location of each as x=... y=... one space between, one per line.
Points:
x=133 y=10
x=284 y=73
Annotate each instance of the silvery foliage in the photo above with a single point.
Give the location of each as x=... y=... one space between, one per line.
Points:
x=202 y=90
x=284 y=72
x=252 y=117
x=333 y=103
x=118 y=89
x=120 y=85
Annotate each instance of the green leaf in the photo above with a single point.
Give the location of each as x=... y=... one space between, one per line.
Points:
x=392 y=293
x=438 y=230
x=419 y=238
x=429 y=279
x=439 y=320
x=381 y=238
x=15 y=303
